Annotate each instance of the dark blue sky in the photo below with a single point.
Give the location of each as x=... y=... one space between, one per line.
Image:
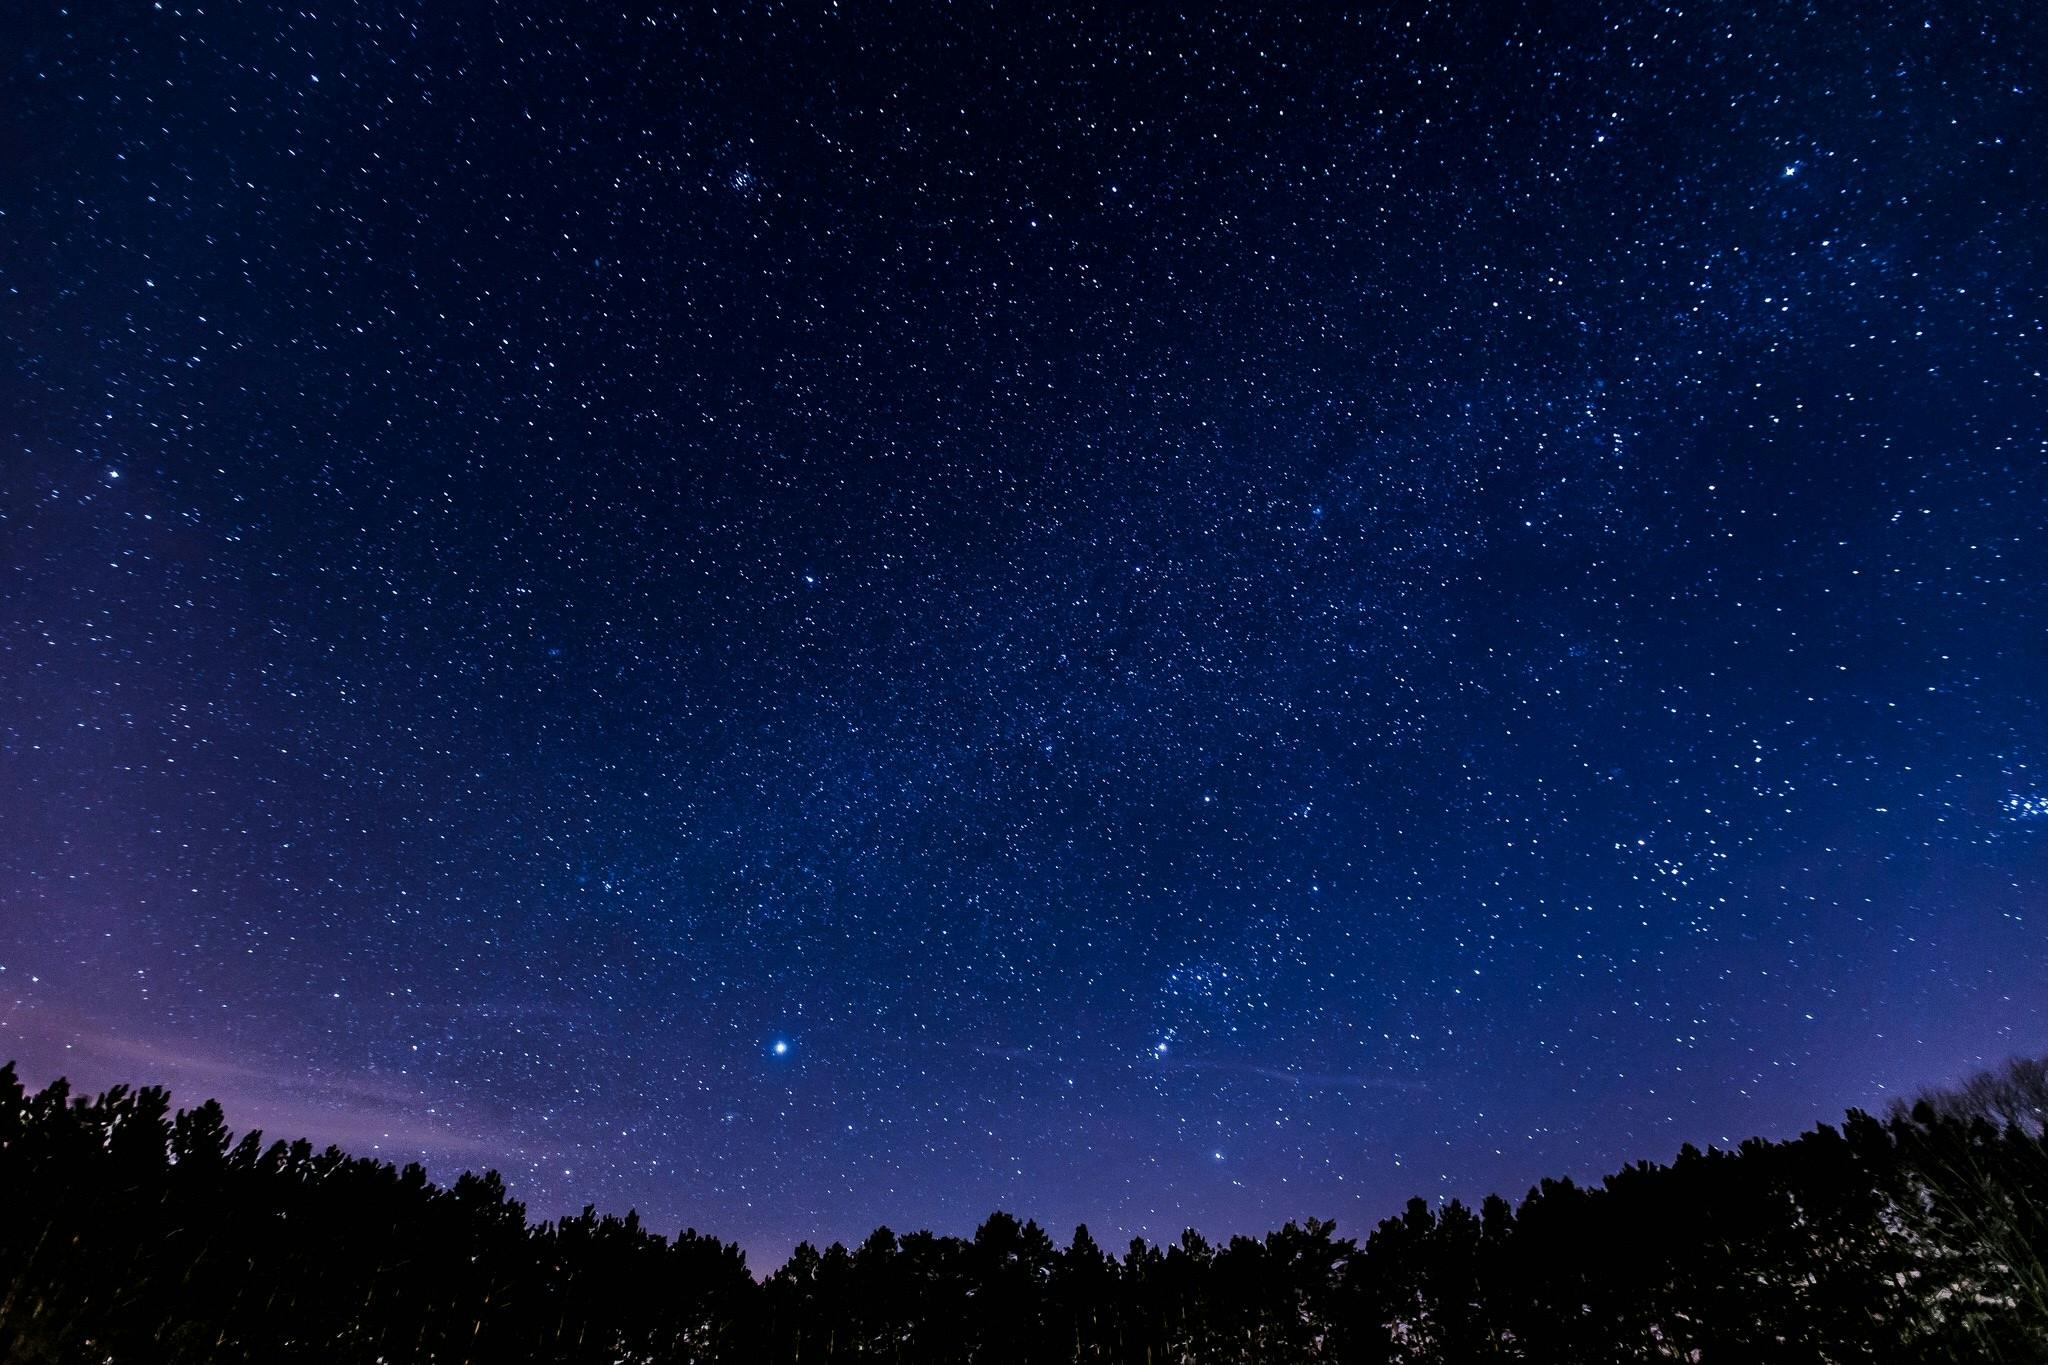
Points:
x=811 y=616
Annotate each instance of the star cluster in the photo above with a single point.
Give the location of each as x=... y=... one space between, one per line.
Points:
x=802 y=616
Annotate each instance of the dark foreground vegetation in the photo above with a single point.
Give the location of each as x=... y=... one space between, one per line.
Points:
x=129 y=1233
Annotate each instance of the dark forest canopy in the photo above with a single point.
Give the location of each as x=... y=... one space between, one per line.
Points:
x=130 y=1232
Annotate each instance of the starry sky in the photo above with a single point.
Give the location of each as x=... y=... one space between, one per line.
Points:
x=810 y=615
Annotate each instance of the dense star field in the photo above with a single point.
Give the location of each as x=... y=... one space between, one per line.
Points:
x=806 y=616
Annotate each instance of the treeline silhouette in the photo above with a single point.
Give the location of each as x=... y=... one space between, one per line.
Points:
x=130 y=1233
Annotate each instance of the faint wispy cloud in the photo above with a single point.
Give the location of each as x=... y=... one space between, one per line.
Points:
x=368 y=1113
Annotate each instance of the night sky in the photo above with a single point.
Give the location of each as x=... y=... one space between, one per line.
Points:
x=804 y=616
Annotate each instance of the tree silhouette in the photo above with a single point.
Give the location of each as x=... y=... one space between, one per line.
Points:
x=130 y=1232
